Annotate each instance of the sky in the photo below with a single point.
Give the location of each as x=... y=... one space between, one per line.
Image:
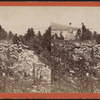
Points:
x=19 y=18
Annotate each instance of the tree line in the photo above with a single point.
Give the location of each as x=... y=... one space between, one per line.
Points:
x=35 y=41
x=88 y=35
x=38 y=42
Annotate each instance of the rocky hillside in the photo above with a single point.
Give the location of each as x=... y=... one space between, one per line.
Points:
x=22 y=70
x=77 y=66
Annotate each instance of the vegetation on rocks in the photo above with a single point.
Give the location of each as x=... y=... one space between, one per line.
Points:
x=24 y=63
x=76 y=65
x=36 y=62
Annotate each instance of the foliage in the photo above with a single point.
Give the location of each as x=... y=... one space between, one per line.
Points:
x=95 y=35
x=74 y=68
x=98 y=39
x=3 y=33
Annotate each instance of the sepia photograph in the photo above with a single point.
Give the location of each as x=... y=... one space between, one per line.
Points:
x=75 y=50
x=47 y=49
x=25 y=47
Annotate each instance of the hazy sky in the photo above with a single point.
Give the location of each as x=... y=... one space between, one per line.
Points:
x=19 y=19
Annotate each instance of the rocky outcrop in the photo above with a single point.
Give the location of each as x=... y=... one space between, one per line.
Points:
x=22 y=62
x=79 y=63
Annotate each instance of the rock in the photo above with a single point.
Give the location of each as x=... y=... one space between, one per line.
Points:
x=24 y=61
x=87 y=74
x=77 y=44
x=3 y=74
x=71 y=71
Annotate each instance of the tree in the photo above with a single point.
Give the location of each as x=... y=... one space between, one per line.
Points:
x=39 y=34
x=10 y=35
x=56 y=36
x=95 y=35
x=22 y=39
x=87 y=35
x=30 y=33
x=98 y=39
x=15 y=39
x=3 y=34
x=0 y=27
x=78 y=34
x=47 y=39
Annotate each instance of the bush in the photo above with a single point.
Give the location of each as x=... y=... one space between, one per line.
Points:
x=98 y=39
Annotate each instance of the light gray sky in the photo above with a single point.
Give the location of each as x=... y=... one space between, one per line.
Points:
x=19 y=18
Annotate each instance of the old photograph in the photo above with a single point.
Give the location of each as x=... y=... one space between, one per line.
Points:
x=75 y=49
x=25 y=47
x=47 y=49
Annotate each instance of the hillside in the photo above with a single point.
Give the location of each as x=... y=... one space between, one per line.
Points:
x=59 y=27
x=24 y=65
x=77 y=66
